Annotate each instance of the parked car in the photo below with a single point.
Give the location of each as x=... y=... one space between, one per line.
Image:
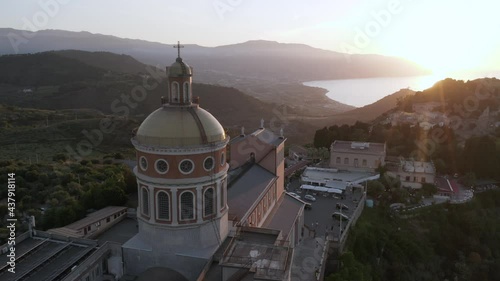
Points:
x=341 y=206
x=294 y=195
x=338 y=216
x=310 y=197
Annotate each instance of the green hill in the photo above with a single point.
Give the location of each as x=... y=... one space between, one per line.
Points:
x=106 y=60
x=62 y=81
x=44 y=69
x=36 y=134
x=475 y=95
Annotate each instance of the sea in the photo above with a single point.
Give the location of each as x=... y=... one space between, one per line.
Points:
x=364 y=91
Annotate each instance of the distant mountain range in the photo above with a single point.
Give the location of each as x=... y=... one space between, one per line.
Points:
x=72 y=79
x=263 y=60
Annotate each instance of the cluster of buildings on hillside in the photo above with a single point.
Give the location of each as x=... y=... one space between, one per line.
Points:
x=352 y=163
x=428 y=115
x=355 y=162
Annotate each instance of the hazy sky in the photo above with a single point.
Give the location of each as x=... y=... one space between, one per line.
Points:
x=443 y=35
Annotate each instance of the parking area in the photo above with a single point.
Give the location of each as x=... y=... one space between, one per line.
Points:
x=319 y=217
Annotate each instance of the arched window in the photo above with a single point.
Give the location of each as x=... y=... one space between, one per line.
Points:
x=185 y=91
x=163 y=201
x=346 y=161
x=338 y=160
x=187 y=205
x=222 y=159
x=145 y=201
x=208 y=202
x=223 y=188
x=143 y=162
x=175 y=92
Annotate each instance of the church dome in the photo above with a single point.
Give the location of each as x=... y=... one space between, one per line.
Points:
x=179 y=68
x=175 y=126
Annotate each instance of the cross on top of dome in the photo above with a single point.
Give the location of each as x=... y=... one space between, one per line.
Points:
x=178 y=47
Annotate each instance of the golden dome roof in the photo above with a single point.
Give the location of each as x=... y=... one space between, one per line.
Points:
x=179 y=68
x=176 y=126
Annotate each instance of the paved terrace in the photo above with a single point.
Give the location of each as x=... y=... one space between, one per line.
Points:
x=120 y=232
x=256 y=252
x=308 y=258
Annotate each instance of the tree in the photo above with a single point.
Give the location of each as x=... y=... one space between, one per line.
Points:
x=440 y=166
x=469 y=179
x=375 y=188
x=323 y=138
x=429 y=189
x=60 y=157
x=390 y=182
x=351 y=269
x=381 y=170
x=481 y=156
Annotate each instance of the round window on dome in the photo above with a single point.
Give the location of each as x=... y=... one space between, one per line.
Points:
x=161 y=166
x=208 y=164
x=186 y=166
x=143 y=162
x=222 y=159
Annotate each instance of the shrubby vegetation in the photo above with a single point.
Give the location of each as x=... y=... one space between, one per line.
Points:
x=66 y=190
x=442 y=242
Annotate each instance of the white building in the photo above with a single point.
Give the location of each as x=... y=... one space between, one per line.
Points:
x=412 y=173
x=357 y=156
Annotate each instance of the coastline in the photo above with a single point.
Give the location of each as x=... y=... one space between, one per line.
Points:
x=359 y=92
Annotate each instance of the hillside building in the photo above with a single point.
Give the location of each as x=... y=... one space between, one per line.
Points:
x=357 y=156
x=412 y=173
x=94 y=224
x=298 y=153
